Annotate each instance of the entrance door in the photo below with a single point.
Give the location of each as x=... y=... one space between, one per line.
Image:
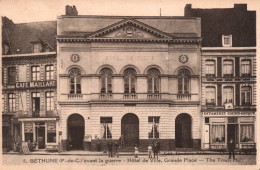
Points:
x=232 y=132
x=41 y=137
x=130 y=129
x=183 y=131
x=76 y=125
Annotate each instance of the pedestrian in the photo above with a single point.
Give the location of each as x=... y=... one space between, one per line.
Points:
x=158 y=147
x=150 y=151
x=110 y=149
x=231 y=148
x=136 y=151
x=121 y=141
x=116 y=149
x=155 y=147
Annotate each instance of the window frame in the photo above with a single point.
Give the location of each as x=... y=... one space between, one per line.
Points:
x=11 y=75
x=75 y=81
x=226 y=68
x=49 y=73
x=49 y=98
x=154 y=124
x=184 y=81
x=208 y=67
x=130 y=75
x=246 y=92
x=244 y=65
x=229 y=37
x=210 y=103
x=106 y=76
x=11 y=102
x=253 y=132
x=36 y=72
x=35 y=95
x=233 y=98
x=37 y=47
x=153 y=75
x=107 y=131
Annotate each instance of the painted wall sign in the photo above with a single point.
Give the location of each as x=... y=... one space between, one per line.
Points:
x=237 y=113
x=35 y=84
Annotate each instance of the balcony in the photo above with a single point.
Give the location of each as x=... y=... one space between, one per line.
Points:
x=75 y=96
x=184 y=97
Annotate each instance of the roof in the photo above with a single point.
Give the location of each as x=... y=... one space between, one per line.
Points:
x=21 y=36
x=237 y=21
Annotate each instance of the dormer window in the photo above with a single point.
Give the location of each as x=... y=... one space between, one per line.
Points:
x=37 y=48
x=5 y=49
x=227 y=40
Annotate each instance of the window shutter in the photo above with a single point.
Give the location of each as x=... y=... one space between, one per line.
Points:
x=237 y=95
x=219 y=66
x=219 y=95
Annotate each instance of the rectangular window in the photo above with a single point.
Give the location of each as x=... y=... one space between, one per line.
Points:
x=28 y=131
x=36 y=104
x=11 y=102
x=228 y=94
x=11 y=75
x=227 y=40
x=49 y=101
x=36 y=73
x=246 y=95
x=154 y=127
x=218 y=134
x=210 y=95
x=37 y=48
x=106 y=127
x=228 y=68
x=51 y=132
x=245 y=68
x=247 y=133
x=49 y=72
x=210 y=68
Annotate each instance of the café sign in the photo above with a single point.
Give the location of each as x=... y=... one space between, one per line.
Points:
x=35 y=84
x=230 y=113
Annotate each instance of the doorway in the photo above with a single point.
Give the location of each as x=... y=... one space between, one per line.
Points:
x=232 y=132
x=76 y=126
x=41 y=137
x=130 y=130
x=183 y=131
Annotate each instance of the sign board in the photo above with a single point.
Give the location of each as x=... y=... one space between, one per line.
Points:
x=35 y=84
x=51 y=127
x=228 y=113
x=28 y=128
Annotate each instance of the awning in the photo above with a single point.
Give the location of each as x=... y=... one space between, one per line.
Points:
x=38 y=119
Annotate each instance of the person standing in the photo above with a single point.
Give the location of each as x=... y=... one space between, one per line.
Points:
x=110 y=149
x=231 y=148
x=150 y=151
x=136 y=151
x=155 y=151
x=116 y=149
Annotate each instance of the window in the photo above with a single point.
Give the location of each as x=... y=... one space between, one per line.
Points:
x=228 y=68
x=210 y=68
x=11 y=102
x=153 y=80
x=106 y=127
x=49 y=72
x=227 y=40
x=154 y=127
x=106 y=80
x=28 y=131
x=37 y=48
x=36 y=104
x=183 y=81
x=247 y=133
x=210 y=95
x=228 y=94
x=75 y=81
x=245 y=68
x=49 y=101
x=36 y=73
x=129 y=80
x=246 y=95
x=51 y=132
x=11 y=75
x=218 y=134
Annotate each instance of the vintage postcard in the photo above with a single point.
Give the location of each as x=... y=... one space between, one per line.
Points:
x=163 y=84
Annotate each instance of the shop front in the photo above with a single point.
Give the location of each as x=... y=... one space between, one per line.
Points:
x=43 y=132
x=221 y=126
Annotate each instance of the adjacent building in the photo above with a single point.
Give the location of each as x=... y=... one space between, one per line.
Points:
x=228 y=60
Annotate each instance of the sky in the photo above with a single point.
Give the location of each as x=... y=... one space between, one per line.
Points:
x=23 y=11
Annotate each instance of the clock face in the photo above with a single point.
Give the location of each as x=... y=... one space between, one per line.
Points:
x=183 y=58
x=74 y=57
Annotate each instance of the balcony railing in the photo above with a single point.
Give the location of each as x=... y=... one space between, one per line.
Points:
x=75 y=96
x=183 y=97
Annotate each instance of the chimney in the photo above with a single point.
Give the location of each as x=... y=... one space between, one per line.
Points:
x=187 y=10
x=71 y=10
x=74 y=11
x=68 y=10
x=241 y=7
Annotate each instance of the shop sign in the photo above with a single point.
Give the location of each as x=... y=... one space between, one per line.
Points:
x=51 y=128
x=219 y=114
x=28 y=128
x=35 y=84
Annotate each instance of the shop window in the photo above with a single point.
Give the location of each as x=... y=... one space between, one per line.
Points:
x=28 y=131
x=183 y=81
x=228 y=68
x=36 y=73
x=218 y=134
x=247 y=133
x=210 y=68
x=49 y=72
x=75 y=81
x=153 y=80
x=129 y=80
x=106 y=127
x=246 y=95
x=51 y=132
x=36 y=104
x=227 y=40
x=49 y=100
x=11 y=75
x=106 y=80
x=37 y=48
x=11 y=102
x=210 y=96
x=245 y=68
x=228 y=94
x=153 y=127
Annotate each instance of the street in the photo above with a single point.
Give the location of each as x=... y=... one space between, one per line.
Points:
x=13 y=159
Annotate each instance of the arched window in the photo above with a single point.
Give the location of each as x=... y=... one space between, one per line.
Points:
x=75 y=81
x=183 y=81
x=106 y=80
x=129 y=80
x=153 y=80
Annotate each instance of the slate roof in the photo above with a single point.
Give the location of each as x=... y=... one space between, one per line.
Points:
x=237 y=21
x=22 y=35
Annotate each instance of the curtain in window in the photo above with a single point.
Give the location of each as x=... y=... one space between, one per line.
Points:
x=106 y=130
x=228 y=94
x=245 y=67
x=183 y=81
x=106 y=80
x=210 y=95
x=210 y=67
x=75 y=81
x=228 y=67
x=247 y=133
x=129 y=80
x=218 y=133
x=153 y=80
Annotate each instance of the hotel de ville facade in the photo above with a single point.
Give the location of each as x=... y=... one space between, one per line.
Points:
x=135 y=79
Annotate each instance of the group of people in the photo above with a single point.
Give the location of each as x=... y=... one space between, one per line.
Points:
x=113 y=147
x=155 y=149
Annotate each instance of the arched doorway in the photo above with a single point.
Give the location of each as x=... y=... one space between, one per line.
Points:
x=130 y=129
x=76 y=126
x=183 y=131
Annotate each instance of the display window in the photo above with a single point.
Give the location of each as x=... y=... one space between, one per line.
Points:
x=218 y=134
x=247 y=133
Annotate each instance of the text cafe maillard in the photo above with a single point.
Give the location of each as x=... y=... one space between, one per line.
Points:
x=35 y=84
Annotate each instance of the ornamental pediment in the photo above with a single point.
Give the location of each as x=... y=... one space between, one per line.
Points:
x=129 y=29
